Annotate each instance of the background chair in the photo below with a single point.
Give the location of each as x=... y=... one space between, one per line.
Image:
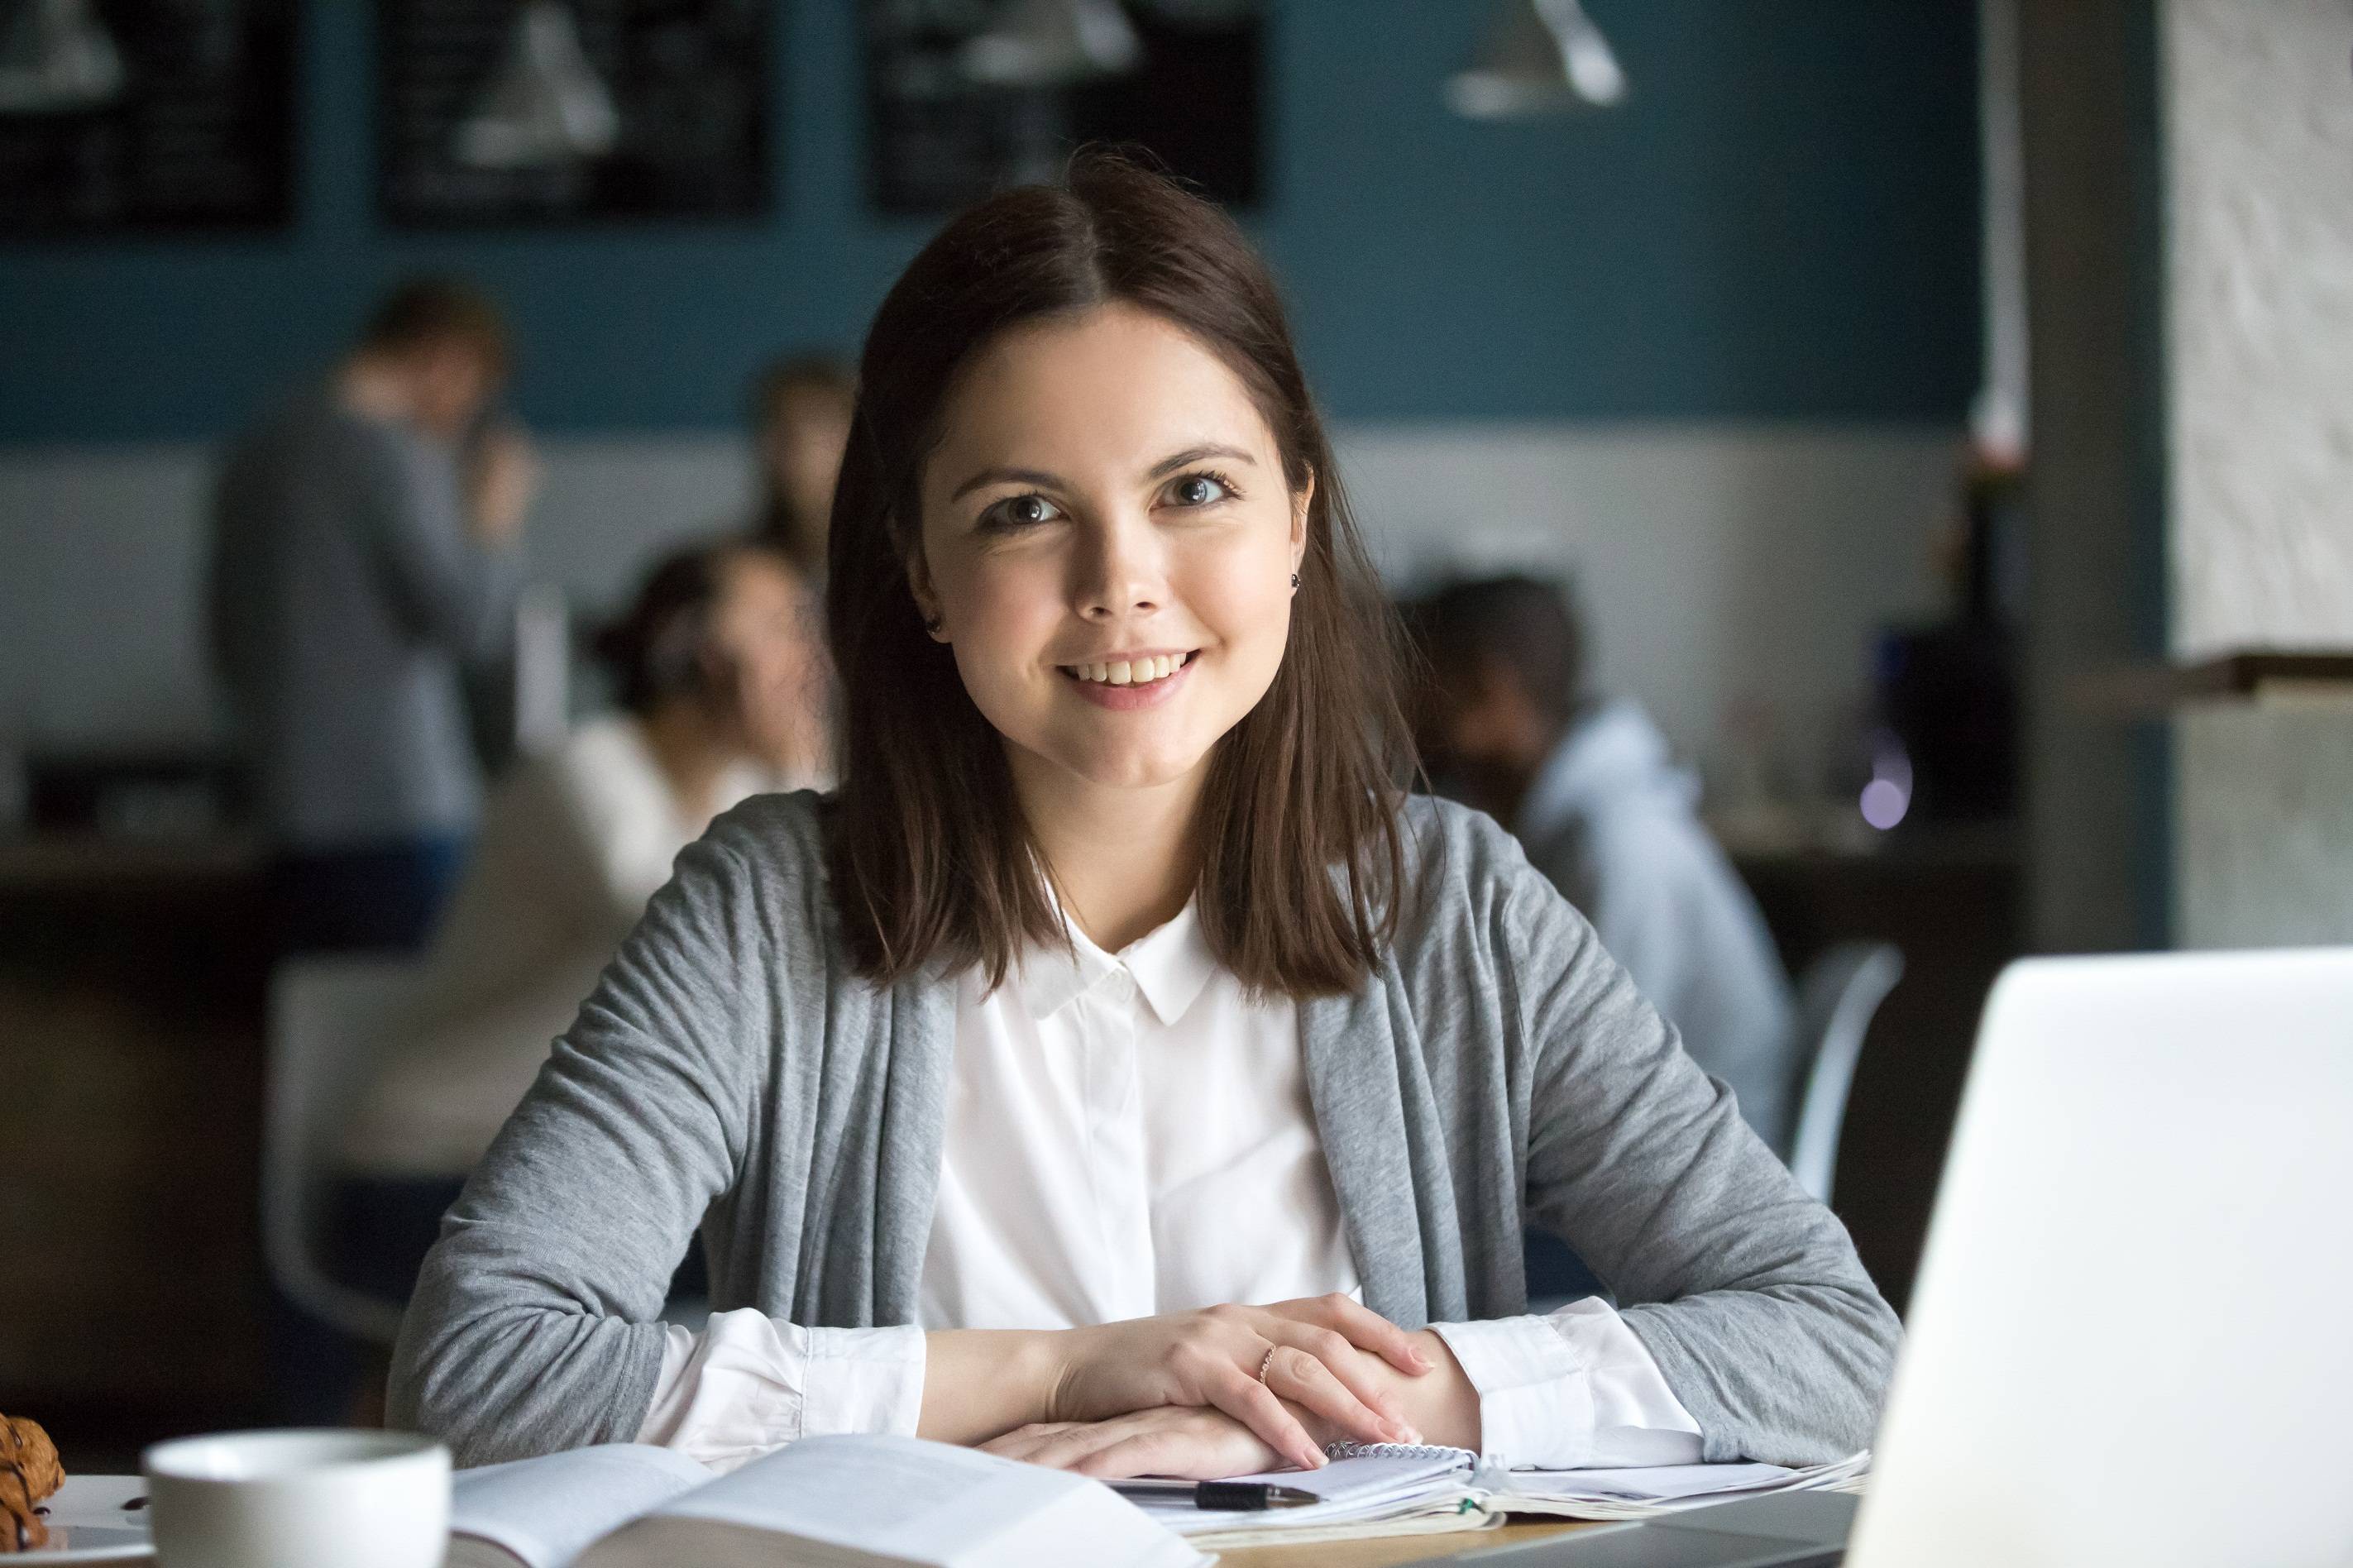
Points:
x=1841 y=992
x=327 y=1017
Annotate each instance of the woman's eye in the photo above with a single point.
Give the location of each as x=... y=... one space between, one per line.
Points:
x=1021 y=512
x=1198 y=490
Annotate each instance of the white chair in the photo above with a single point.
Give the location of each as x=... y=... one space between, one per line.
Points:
x=327 y=1017
x=1841 y=992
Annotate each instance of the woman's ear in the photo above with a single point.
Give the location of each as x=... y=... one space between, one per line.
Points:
x=928 y=603
x=1302 y=500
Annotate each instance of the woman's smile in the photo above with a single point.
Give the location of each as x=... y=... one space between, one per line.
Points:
x=1129 y=681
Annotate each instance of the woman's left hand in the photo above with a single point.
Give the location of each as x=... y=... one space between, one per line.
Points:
x=1191 y=1441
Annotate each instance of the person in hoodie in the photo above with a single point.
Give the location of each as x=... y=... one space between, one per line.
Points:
x=1585 y=783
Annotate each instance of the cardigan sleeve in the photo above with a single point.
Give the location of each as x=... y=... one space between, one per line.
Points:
x=1746 y=1292
x=533 y=1325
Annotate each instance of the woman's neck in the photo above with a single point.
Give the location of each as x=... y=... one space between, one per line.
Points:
x=689 y=755
x=1124 y=860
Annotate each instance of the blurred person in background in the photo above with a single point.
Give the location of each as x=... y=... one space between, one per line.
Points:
x=720 y=672
x=801 y=416
x=1585 y=783
x=363 y=556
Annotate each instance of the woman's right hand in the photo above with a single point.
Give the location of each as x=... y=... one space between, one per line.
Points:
x=1211 y=1358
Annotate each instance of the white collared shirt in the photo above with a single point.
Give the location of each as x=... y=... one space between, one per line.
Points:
x=1129 y=1135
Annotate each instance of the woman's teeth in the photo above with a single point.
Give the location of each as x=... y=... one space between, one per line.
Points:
x=1131 y=672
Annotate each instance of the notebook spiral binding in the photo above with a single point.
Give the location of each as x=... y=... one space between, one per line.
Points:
x=1398 y=1451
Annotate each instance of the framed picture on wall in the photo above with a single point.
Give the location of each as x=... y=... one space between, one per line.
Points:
x=965 y=97
x=555 y=112
x=131 y=116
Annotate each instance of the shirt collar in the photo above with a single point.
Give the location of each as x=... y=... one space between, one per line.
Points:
x=1170 y=967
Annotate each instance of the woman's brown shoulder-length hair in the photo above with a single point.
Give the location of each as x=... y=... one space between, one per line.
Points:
x=1302 y=859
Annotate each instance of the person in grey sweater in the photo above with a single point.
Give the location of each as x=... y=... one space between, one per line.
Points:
x=1585 y=783
x=357 y=571
x=1117 y=1072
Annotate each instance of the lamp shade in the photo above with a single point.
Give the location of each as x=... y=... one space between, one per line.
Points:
x=56 y=57
x=545 y=105
x=1540 y=57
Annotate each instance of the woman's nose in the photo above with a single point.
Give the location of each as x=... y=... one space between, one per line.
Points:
x=1121 y=572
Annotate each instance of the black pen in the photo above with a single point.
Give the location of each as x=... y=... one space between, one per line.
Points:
x=1236 y=1496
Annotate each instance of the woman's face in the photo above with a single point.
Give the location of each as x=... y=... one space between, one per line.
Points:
x=1108 y=542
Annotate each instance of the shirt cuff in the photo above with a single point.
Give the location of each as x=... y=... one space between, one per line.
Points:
x=863 y=1380
x=1535 y=1410
x=748 y=1385
x=1571 y=1390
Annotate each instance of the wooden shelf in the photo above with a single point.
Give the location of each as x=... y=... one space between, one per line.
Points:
x=2270 y=677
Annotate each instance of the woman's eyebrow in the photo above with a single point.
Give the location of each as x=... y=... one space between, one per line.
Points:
x=1037 y=477
x=1195 y=454
x=1045 y=480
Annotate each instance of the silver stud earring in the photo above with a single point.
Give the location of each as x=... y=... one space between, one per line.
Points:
x=1294 y=579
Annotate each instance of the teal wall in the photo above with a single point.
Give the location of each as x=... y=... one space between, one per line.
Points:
x=1780 y=224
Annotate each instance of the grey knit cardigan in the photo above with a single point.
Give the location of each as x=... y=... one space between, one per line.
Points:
x=731 y=1072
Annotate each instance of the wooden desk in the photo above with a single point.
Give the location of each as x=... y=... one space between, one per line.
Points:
x=1383 y=1550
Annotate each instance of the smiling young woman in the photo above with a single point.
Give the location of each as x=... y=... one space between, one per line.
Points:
x=999 y=484
x=1121 y=990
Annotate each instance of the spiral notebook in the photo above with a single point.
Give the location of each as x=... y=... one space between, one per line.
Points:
x=1393 y=1487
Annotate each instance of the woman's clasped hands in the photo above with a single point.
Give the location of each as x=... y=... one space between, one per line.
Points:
x=1223 y=1391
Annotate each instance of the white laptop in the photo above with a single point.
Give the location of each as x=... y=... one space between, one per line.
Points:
x=2132 y=1338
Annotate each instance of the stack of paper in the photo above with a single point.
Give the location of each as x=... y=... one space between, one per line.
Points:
x=1641 y=1493
x=1397 y=1491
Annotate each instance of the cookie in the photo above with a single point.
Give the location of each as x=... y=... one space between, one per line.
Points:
x=25 y=1445
x=30 y=1472
x=21 y=1527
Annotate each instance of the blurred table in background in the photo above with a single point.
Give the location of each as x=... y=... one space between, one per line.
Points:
x=132 y=983
x=1952 y=900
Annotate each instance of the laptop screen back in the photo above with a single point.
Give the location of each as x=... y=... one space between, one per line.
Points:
x=2132 y=1339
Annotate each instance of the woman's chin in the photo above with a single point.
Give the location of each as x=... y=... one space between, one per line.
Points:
x=1136 y=769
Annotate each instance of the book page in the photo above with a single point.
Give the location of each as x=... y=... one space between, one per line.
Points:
x=891 y=1496
x=901 y=1498
x=545 y=1512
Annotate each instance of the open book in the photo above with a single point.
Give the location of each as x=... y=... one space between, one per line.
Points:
x=824 y=1502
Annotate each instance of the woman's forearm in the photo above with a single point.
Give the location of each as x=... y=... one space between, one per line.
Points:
x=980 y=1384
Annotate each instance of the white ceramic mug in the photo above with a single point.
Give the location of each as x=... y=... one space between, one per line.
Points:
x=298 y=1499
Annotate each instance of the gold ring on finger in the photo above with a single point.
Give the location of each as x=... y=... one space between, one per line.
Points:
x=1266 y=1362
